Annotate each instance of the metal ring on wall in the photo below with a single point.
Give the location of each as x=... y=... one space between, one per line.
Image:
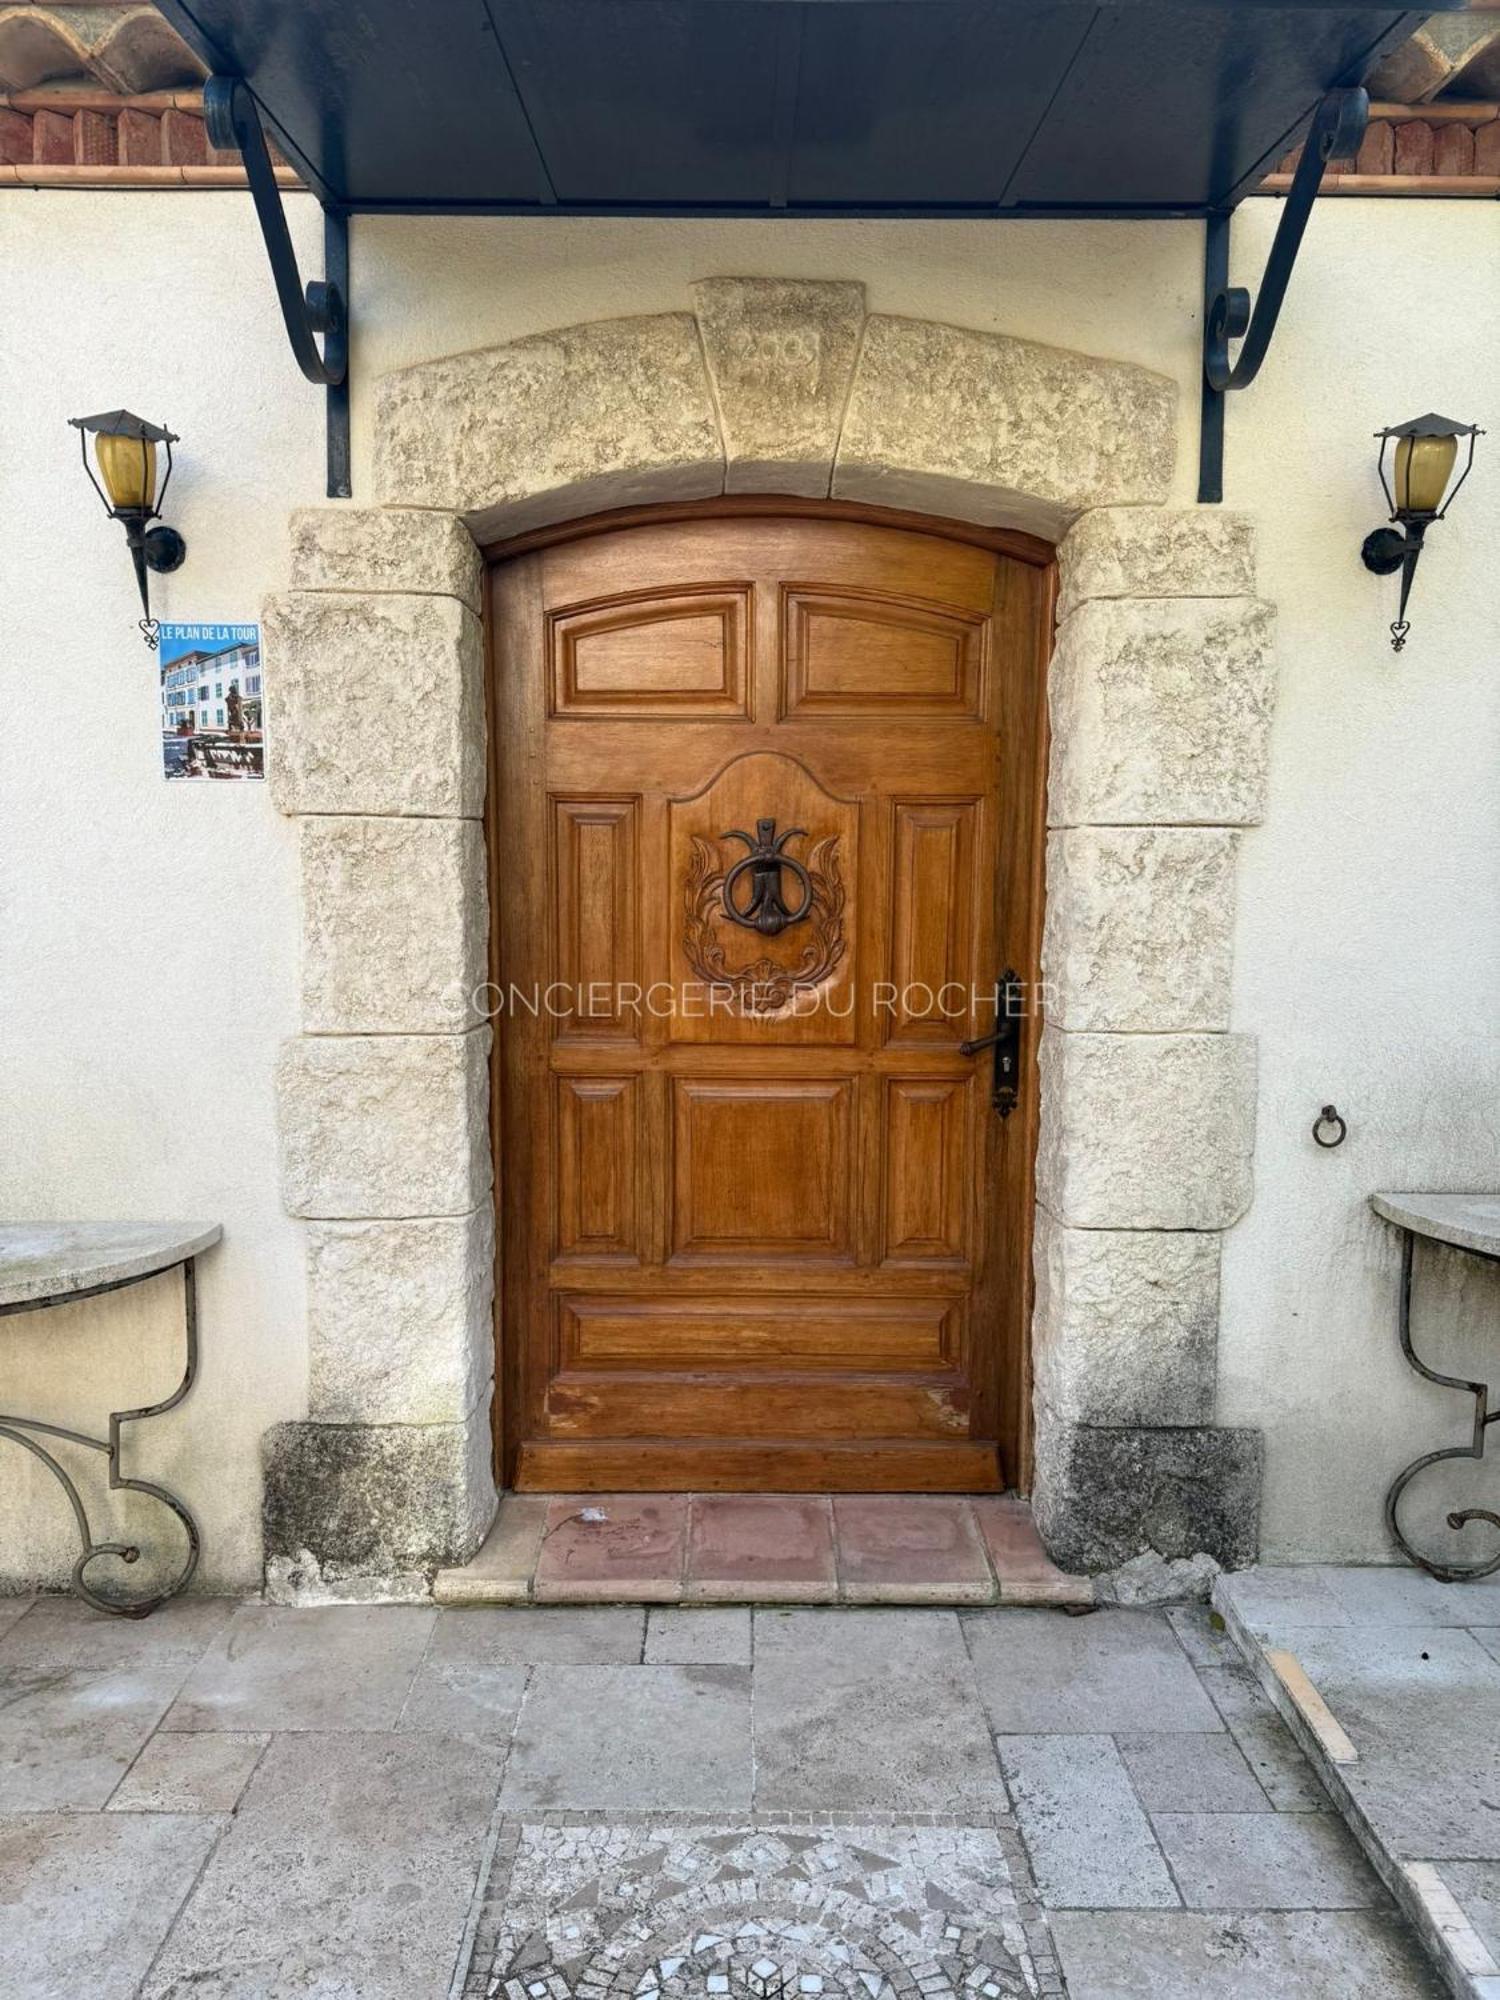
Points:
x=1328 y=1118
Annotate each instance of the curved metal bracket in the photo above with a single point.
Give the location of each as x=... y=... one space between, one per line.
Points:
x=321 y=307
x=1484 y=1416
x=1337 y=128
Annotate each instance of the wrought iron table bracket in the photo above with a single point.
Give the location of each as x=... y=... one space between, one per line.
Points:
x=1337 y=128
x=16 y=1429
x=1484 y=1416
x=233 y=120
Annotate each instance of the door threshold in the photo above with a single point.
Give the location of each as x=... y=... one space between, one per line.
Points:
x=762 y=1548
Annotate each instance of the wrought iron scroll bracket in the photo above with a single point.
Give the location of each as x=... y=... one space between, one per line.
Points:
x=1337 y=128
x=322 y=306
x=16 y=1429
x=1484 y=1416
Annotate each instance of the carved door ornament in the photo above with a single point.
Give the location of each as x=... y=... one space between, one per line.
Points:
x=765 y=911
x=748 y=892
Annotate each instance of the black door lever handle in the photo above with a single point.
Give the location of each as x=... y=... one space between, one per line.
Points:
x=1005 y=1040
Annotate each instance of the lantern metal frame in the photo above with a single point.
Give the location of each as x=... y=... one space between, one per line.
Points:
x=162 y=548
x=1386 y=550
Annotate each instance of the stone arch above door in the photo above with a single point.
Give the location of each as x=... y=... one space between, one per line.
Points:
x=1161 y=692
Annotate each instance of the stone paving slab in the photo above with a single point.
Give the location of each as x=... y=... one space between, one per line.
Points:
x=88 y=1897
x=1191 y=1774
x=68 y=1734
x=857 y=1709
x=199 y=1772
x=632 y=1739
x=1039 y=1672
x=1090 y=1843
x=349 y=1869
x=334 y=1667
x=1182 y=1955
x=1266 y=1861
x=701 y=1636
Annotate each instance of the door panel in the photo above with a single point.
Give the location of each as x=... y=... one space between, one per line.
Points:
x=764 y=832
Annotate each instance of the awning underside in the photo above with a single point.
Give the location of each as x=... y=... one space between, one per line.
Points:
x=803 y=107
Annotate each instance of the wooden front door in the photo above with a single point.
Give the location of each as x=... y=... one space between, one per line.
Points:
x=766 y=800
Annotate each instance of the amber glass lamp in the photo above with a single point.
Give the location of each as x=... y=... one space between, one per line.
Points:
x=1418 y=492
x=125 y=451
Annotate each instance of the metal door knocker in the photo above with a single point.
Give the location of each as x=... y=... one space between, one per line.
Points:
x=1329 y=1121
x=766 y=912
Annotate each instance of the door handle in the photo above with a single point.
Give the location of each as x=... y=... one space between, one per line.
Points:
x=1005 y=1040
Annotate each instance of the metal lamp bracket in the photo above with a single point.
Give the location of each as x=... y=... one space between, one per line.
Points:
x=233 y=120
x=1337 y=128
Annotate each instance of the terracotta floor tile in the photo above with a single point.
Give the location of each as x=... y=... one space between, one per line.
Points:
x=900 y=1548
x=608 y=1545
x=761 y=1546
x=1027 y=1574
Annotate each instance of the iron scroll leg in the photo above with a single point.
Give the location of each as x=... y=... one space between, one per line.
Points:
x=1337 y=128
x=16 y=1428
x=322 y=307
x=1483 y=1418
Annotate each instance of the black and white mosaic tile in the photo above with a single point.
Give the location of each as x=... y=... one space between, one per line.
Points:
x=766 y=1911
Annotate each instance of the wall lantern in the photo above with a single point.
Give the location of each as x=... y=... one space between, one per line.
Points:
x=1426 y=452
x=125 y=448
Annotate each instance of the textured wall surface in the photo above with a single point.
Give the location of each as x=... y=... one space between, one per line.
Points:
x=150 y=968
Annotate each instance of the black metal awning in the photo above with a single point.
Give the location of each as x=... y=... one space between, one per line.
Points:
x=786 y=107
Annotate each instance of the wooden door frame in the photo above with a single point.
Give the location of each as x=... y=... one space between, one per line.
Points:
x=1024 y=834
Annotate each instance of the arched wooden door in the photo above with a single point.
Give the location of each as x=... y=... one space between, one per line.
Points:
x=764 y=834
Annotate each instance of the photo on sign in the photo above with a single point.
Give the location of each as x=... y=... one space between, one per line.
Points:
x=211 y=705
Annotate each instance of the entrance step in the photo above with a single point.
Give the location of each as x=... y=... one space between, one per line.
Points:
x=1390 y=1682
x=760 y=1548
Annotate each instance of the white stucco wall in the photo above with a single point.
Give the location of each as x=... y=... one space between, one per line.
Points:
x=147 y=969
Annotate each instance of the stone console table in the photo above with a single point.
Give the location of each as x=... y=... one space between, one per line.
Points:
x=1471 y=1223
x=55 y=1263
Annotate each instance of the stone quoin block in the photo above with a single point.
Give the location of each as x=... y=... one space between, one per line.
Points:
x=374 y=1500
x=376 y=704
x=384 y=1125
x=1126 y=1324
x=561 y=423
x=386 y=549
x=1161 y=712
x=781 y=356
x=399 y=1323
x=1156 y=552
x=1139 y=933
x=394 y=925
x=1146 y=1131
x=1000 y=430
x=1103 y=1497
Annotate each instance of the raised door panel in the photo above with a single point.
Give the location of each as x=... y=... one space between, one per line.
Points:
x=848 y=654
x=678 y=654
x=811 y=1333
x=596 y=961
x=933 y=922
x=925 y=1160
x=762 y=1168
x=597 y=1171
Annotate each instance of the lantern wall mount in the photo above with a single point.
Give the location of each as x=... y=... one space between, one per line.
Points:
x=125 y=448
x=1426 y=451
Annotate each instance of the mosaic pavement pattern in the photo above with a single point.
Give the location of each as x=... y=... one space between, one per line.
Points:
x=773 y=1910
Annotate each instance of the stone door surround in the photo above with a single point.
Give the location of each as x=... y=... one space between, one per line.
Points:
x=1161 y=691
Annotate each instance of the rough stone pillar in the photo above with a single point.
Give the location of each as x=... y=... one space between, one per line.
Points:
x=375 y=658
x=1161 y=696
